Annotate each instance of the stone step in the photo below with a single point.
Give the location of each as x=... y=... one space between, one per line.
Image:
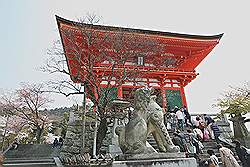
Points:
x=32 y=150
x=39 y=162
x=221 y=165
x=20 y=160
x=30 y=165
x=31 y=155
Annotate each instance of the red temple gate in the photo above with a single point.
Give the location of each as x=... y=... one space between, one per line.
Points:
x=168 y=66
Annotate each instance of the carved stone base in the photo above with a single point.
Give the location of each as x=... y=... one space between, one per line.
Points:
x=151 y=156
x=174 y=162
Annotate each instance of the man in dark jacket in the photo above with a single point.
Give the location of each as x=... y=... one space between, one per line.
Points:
x=178 y=141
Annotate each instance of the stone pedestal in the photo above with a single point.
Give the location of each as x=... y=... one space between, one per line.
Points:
x=154 y=160
x=175 y=162
x=150 y=156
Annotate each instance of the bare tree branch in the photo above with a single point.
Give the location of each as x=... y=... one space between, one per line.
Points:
x=99 y=60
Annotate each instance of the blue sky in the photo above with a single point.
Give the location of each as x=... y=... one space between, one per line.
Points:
x=23 y=42
x=28 y=28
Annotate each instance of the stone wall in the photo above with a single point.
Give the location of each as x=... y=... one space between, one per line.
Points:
x=72 y=142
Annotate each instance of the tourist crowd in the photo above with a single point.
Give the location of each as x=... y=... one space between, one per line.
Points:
x=227 y=157
x=203 y=126
x=189 y=134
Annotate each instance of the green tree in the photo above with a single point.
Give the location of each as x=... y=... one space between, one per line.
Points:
x=236 y=103
x=61 y=124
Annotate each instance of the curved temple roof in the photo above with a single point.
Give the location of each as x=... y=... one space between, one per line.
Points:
x=185 y=50
x=142 y=31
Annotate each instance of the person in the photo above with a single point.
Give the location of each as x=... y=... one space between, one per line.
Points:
x=211 y=133
x=208 y=119
x=202 y=127
x=178 y=141
x=227 y=157
x=60 y=142
x=194 y=141
x=213 y=160
x=189 y=146
x=188 y=121
x=241 y=152
x=198 y=133
x=180 y=118
x=55 y=143
x=195 y=121
x=173 y=121
x=206 y=135
x=216 y=131
x=175 y=109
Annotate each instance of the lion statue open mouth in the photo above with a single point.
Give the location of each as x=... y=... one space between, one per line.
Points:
x=146 y=119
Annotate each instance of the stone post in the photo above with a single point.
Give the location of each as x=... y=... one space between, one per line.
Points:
x=95 y=134
x=83 y=121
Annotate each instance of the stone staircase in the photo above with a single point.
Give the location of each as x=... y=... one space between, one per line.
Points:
x=152 y=141
x=210 y=144
x=39 y=162
x=31 y=155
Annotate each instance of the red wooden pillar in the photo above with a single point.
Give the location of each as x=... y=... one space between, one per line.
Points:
x=164 y=99
x=119 y=93
x=183 y=96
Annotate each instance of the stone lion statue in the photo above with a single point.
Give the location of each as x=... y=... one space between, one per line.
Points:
x=146 y=119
